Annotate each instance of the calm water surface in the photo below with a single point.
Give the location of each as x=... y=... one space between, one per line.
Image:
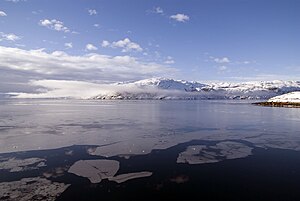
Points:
x=215 y=150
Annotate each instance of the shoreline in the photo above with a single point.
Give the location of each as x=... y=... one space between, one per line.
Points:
x=278 y=104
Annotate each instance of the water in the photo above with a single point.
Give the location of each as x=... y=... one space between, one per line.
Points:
x=216 y=150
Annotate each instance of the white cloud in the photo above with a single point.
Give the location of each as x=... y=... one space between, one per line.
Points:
x=222 y=60
x=54 y=25
x=36 y=12
x=9 y=37
x=180 y=17
x=60 y=65
x=62 y=89
x=222 y=68
x=68 y=45
x=92 y=12
x=169 y=60
x=158 y=10
x=16 y=1
x=90 y=47
x=96 y=25
x=126 y=44
x=105 y=43
x=83 y=90
x=2 y=14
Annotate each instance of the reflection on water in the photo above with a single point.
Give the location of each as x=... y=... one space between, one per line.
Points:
x=125 y=132
x=137 y=127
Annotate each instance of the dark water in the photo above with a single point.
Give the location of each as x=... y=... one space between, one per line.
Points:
x=63 y=132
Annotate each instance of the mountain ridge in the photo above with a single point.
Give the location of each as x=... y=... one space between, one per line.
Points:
x=166 y=88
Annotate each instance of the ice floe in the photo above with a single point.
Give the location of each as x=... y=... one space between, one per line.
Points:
x=278 y=142
x=31 y=189
x=97 y=170
x=200 y=154
x=17 y=165
x=125 y=177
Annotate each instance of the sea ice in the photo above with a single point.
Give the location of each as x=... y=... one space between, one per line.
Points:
x=200 y=154
x=17 y=165
x=95 y=170
x=125 y=177
x=31 y=189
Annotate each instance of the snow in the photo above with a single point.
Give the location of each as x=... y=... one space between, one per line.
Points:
x=170 y=84
x=292 y=97
x=164 y=88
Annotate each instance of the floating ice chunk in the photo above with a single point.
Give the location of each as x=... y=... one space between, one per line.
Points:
x=125 y=177
x=138 y=146
x=17 y=165
x=277 y=142
x=95 y=170
x=192 y=155
x=233 y=150
x=31 y=189
x=201 y=154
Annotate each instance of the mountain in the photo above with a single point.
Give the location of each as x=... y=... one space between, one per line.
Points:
x=292 y=97
x=164 y=88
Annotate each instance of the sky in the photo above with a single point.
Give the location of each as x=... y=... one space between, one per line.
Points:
x=106 y=41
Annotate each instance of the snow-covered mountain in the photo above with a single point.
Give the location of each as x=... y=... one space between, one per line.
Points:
x=170 y=84
x=163 y=88
x=292 y=97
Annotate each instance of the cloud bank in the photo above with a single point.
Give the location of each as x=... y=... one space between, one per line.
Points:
x=88 y=67
x=83 y=90
x=16 y=1
x=62 y=89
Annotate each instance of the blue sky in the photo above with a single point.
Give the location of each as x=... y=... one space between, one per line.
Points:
x=204 y=40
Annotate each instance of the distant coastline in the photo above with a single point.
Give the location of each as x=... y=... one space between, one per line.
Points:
x=278 y=104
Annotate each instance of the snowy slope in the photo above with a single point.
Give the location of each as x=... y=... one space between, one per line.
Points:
x=163 y=88
x=170 y=84
x=292 y=97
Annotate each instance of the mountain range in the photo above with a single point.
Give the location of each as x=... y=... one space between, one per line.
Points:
x=164 y=88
